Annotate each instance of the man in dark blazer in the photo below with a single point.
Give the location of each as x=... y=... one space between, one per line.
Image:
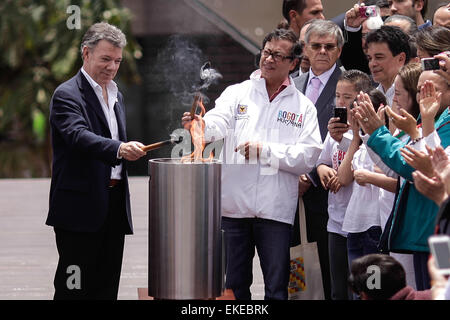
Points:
x=324 y=41
x=89 y=205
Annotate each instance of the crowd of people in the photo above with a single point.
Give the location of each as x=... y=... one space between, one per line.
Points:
x=374 y=186
x=372 y=194
x=378 y=170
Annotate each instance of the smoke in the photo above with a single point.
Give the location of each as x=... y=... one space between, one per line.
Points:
x=209 y=76
x=183 y=71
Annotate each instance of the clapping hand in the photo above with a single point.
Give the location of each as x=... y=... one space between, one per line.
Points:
x=404 y=121
x=365 y=113
x=418 y=160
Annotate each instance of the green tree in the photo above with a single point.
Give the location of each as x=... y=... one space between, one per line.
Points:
x=40 y=49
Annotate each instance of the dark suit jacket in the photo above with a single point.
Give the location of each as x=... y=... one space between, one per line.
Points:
x=326 y=101
x=316 y=198
x=83 y=154
x=352 y=56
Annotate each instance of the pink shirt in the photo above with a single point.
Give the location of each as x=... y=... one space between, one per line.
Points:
x=281 y=88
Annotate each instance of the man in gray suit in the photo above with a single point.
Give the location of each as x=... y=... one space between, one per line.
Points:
x=324 y=41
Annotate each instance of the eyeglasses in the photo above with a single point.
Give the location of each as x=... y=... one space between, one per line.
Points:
x=319 y=46
x=275 y=55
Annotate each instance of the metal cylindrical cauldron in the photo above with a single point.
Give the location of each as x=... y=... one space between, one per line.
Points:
x=186 y=252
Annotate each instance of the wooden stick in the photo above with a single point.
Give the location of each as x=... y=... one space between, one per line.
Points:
x=194 y=105
x=157 y=145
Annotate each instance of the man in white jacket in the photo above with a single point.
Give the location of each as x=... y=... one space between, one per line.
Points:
x=271 y=137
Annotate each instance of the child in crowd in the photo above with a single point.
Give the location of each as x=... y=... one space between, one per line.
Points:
x=350 y=83
x=362 y=217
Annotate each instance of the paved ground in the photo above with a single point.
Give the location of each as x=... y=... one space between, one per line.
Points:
x=28 y=254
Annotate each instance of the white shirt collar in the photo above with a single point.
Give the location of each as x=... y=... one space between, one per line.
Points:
x=111 y=86
x=324 y=77
x=389 y=93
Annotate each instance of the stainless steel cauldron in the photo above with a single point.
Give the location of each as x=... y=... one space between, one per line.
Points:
x=186 y=252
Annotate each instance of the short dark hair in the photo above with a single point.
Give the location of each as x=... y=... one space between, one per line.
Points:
x=359 y=79
x=394 y=37
x=382 y=3
x=297 y=5
x=283 y=34
x=392 y=276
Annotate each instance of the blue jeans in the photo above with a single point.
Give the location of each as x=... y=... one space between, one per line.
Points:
x=272 y=240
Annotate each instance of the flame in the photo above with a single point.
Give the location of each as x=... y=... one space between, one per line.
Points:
x=198 y=135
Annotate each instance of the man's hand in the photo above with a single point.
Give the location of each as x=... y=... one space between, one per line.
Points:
x=131 y=151
x=337 y=129
x=250 y=150
x=303 y=185
x=353 y=18
x=186 y=120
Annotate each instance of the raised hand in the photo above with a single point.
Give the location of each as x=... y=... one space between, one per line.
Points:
x=444 y=64
x=432 y=188
x=418 y=160
x=353 y=18
x=429 y=103
x=404 y=121
x=441 y=164
x=186 y=120
x=337 y=129
x=365 y=113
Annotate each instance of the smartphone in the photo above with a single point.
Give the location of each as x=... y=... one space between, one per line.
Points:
x=430 y=64
x=341 y=113
x=440 y=249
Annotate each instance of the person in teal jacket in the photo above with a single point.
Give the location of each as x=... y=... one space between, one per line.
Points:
x=414 y=215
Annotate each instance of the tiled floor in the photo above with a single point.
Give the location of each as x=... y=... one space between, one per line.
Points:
x=28 y=254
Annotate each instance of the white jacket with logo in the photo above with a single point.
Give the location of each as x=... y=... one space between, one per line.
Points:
x=288 y=129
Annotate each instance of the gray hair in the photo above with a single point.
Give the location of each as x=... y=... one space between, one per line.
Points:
x=323 y=28
x=103 y=31
x=398 y=17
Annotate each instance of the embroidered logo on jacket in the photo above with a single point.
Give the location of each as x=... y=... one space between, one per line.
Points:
x=241 y=109
x=241 y=112
x=290 y=118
